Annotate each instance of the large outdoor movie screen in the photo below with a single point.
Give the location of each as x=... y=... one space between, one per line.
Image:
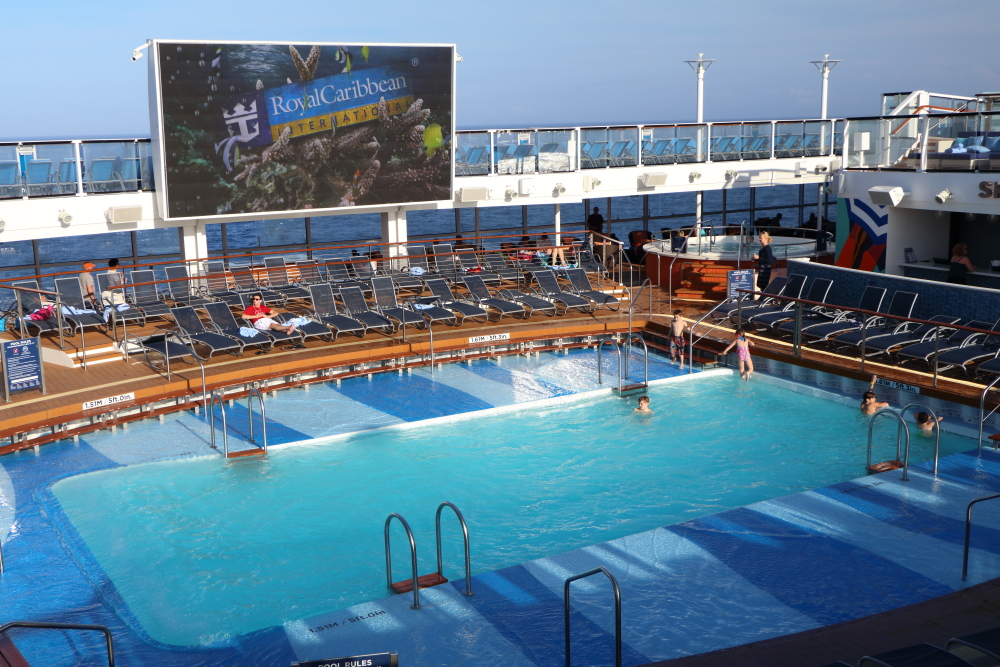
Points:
x=256 y=128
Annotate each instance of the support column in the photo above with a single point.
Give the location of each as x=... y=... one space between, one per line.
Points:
x=194 y=247
x=394 y=234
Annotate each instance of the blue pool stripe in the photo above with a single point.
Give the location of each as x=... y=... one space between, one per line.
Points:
x=435 y=400
x=530 y=617
x=903 y=514
x=238 y=423
x=520 y=380
x=826 y=579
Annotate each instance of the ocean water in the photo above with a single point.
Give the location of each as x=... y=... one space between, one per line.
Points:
x=202 y=550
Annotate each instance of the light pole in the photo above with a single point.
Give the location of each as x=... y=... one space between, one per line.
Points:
x=699 y=66
x=824 y=66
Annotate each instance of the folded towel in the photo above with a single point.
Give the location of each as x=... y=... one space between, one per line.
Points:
x=298 y=321
x=70 y=310
x=122 y=307
x=107 y=313
x=422 y=306
x=956 y=149
x=248 y=332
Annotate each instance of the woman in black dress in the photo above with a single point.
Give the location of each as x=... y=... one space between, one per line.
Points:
x=765 y=259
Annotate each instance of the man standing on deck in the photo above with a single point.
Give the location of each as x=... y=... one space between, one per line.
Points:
x=87 y=280
x=599 y=243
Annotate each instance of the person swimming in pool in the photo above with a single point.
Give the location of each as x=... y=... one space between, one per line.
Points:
x=643 y=406
x=925 y=422
x=869 y=404
x=743 y=345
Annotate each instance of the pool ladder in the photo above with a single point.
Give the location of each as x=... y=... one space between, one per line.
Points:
x=624 y=389
x=902 y=430
x=256 y=450
x=415 y=583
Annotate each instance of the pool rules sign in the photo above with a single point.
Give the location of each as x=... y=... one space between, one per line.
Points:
x=373 y=660
x=22 y=366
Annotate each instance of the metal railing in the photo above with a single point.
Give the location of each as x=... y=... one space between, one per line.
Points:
x=628 y=352
x=217 y=398
x=465 y=538
x=618 y=610
x=413 y=557
x=903 y=429
x=982 y=409
x=255 y=391
x=600 y=365
x=968 y=531
x=66 y=626
x=937 y=428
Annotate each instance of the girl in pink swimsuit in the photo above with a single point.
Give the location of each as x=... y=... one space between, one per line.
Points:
x=743 y=345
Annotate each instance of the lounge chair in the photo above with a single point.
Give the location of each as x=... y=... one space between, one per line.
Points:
x=144 y=296
x=445 y=298
x=338 y=275
x=38 y=178
x=218 y=284
x=386 y=303
x=481 y=295
x=110 y=306
x=66 y=179
x=278 y=280
x=30 y=302
x=925 y=350
x=325 y=311
x=223 y=322
x=193 y=332
x=977 y=646
x=871 y=299
x=467 y=261
x=900 y=306
x=179 y=286
x=80 y=316
x=354 y=301
x=296 y=338
x=244 y=278
x=920 y=655
x=164 y=346
x=887 y=344
x=792 y=288
x=105 y=175
x=886 y=326
x=818 y=291
x=582 y=287
x=495 y=262
x=972 y=349
x=309 y=272
x=10 y=179
x=724 y=310
x=548 y=287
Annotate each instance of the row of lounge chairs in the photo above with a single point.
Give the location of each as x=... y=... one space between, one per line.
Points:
x=979 y=648
x=938 y=342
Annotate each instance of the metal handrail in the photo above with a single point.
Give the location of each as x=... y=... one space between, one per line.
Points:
x=66 y=626
x=465 y=537
x=739 y=255
x=628 y=350
x=255 y=391
x=982 y=409
x=691 y=340
x=1 y=556
x=413 y=557
x=633 y=301
x=430 y=331
x=968 y=531
x=600 y=370
x=618 y=610
x=937 y=428
x=903 y=429
x=217 y=398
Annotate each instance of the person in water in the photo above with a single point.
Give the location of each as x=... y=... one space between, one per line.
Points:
x=924 y=421
x=869 y=404
x=743 y=345
x=643 y=405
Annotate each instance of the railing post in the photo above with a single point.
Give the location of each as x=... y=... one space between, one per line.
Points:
x=618 y=611
x=465 y=536
x=413 y=557
x=968 y=531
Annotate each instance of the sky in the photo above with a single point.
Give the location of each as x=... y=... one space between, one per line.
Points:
x=67 y=71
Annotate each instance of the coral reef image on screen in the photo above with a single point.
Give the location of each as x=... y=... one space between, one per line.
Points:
x=254 y=128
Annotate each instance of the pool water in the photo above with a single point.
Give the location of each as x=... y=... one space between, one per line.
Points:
x=202 y=550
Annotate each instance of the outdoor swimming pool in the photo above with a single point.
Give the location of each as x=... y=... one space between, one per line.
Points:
x=201 y=550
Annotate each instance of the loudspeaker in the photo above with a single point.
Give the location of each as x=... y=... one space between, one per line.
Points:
x=124 y=214
x=474 y=194
x=651 y=180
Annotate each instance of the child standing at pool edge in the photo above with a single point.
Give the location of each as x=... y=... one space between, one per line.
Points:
x=743 y=345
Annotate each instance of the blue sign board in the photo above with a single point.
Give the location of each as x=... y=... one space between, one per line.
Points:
x=739 y=279
x=373 y=660
x=22 y=366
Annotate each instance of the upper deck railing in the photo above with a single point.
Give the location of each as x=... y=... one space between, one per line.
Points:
x=30 y=169
x=958 y=141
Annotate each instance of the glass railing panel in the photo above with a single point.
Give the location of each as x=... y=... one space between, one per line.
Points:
x=516 y=152
x=726 y=142
x=49 y=169
x=623 y=146
x=556 y=150
x=472 y=153
x=942 y=102
x=110 y=166
x=672 y=144
x=863 y=143
x=816 y=138
x=789 y=138
x=594 y=148
x=144 y=167
x=11 y=184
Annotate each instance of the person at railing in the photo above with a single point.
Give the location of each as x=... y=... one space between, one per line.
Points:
x=765 y=258
x=960 y=264
x=869 y=404
x=677 y=328
x=743 y=345
x=87 y=280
